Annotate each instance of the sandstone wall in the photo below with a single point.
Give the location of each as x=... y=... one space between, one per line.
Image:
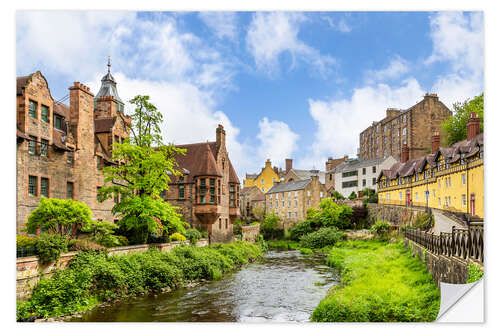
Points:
x=397 y=215
x=29 y=270
x=250 y=232
x=442 y=268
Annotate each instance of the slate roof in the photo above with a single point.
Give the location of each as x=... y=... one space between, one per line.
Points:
x=451 y=154
x=307 y=174
x=108 y=87
x=59 y=140
x=200 y=160
x=259 y=197
x=21 y=83
x=289 y=186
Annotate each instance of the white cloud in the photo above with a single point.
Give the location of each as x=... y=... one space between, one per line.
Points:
x=224 y=24
x=342 y=25
x=339 y=122
x=272 y=34
x=277 y=141
x=458 y=40
x=396 y=68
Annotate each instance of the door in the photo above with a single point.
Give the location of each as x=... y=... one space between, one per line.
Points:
x=472 y=204
x=408 y=198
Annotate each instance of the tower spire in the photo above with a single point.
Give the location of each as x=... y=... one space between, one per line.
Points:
x=109 y=64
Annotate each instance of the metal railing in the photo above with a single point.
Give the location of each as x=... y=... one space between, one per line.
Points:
x=461 y=243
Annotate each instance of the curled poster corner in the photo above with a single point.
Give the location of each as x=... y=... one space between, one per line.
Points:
x=461 y=302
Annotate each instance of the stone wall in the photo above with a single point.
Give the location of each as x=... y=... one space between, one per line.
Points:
x=250 y=232
x=397 y=215
x=29 y=269
x=442 y=268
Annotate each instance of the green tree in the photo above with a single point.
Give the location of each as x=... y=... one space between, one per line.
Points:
x=337 y=195
x=143 y=171
x=455 y=128
x=352 y=195
x=332 y=214
x=59 y=216
x=269 y=225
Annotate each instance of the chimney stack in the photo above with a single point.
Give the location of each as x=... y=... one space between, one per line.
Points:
x=220 y=137
x=288 y=164
x=268 y=163
x=405 y=153
x=473 y=125
x=436 y=141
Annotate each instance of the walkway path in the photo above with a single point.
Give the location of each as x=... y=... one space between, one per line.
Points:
x=443 y=223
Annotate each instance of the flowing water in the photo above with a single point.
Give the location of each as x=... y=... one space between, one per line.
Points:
x=285 y=286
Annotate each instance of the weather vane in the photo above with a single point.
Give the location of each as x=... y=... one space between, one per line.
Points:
x=109 y=63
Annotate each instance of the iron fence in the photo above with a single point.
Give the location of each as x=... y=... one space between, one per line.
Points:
x=25 y=252
x=461 y=243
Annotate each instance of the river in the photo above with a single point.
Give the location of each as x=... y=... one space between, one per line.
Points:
x=285 y=286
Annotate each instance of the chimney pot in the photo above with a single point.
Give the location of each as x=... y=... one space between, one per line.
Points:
x=288 y=164
x=435 y=141
x=473 y=126
x=405 y=153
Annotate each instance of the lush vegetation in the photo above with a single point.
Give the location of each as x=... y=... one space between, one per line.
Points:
x=269 y=227
x=352 y=196
x=283 y=244
x=455 y=128
x=193 y=236
x=380 y=282
x=381 y=229
x=50 y=246
x=146 y=165
x=93 y=277
x=423 y=221
x=326 y=236
x=369 y=196
x=337 y=195
x=475 y=273
x=61 y=216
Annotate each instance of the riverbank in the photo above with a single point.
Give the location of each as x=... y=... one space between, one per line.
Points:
x=380 y=282
x=93 y=278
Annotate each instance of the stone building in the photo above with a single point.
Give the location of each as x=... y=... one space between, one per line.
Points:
x=293 y=174
x=291 y=200
x=330 y=165
x=412 y=127
x=251 y=198
x=355 y=175
x=61 y=149
x=449 y=178
x=208 y=191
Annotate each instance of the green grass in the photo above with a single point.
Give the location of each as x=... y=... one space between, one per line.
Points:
x=475 y=273
x=283 y=244
x=380 y=282
x=93 y=277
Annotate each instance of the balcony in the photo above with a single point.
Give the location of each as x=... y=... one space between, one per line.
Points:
x=234 y=211
x=207 y=213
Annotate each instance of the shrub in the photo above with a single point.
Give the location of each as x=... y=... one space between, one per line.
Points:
x=237 y=226
x=337 y=195
x=381 y=229
x=102 y=233
x=269 y=226
x=299 y=230
x=177 y=237
x=50 y=246
x=84 y=245
x=321 y=238
x=423 y=221
x=25 y=242
x=193 y=235
x=332 y=214
x=352 y=195
x=61 y=216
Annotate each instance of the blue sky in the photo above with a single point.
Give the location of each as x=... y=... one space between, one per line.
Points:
x=284 y=84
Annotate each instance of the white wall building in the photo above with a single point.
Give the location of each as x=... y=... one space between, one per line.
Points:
x=355 y=175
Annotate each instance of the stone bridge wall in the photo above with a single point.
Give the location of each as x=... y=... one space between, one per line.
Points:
x=397 y=215
x=29 y=269
x=250 y=232
x=442 y=268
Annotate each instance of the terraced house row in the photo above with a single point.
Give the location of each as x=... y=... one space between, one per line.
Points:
x=450 y=178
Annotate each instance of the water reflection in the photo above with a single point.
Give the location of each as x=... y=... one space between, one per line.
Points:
x=285 y=286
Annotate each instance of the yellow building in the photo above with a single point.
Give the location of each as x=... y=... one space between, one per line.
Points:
x=264 y=180
x=451 y=178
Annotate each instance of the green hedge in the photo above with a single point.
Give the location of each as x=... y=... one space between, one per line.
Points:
x=321 y=238
x=380 y=282
x=93 y=277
